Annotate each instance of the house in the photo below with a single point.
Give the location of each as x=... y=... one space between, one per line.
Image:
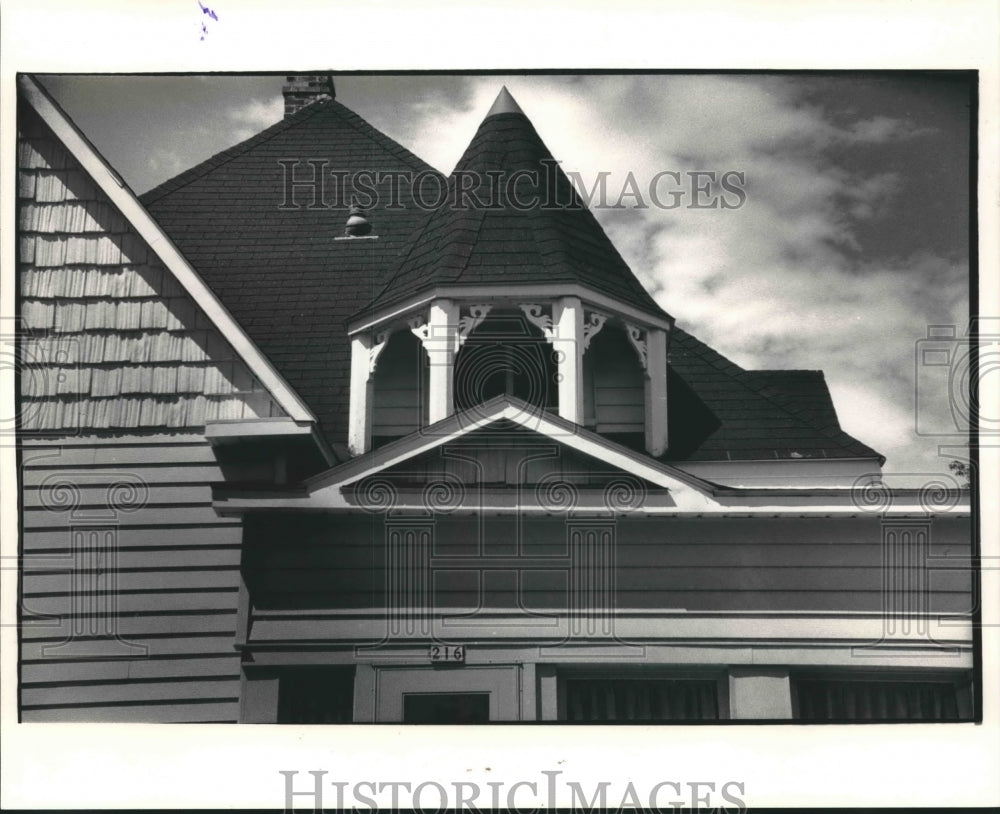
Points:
x=299 y=447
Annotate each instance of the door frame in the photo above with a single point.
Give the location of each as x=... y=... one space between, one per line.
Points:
x=501 y=683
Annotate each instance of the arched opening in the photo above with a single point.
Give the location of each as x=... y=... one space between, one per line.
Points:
x=399 y=405
x=506 y=354
x=614 y=388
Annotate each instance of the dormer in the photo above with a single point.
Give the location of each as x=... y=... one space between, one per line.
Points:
x=510 y=286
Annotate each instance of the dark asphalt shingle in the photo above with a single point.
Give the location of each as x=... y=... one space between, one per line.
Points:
x=293 y=286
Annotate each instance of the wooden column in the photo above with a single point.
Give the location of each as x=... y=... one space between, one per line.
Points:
x=760 y=693
x=359 y=415
x=548 y=692
x=259 y=697
x=656 y=392
x=441 y=341
x=364 y=694
x=568 y=343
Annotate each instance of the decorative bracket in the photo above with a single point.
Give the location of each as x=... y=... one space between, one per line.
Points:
x=592 y=324
x=637 y=336
x=420 y=328
x=468 y=323
x=536 y=316
x=381 y=340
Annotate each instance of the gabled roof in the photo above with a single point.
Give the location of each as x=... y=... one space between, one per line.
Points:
x=293 y=283
x=501 y=414
x=366 y=482
x=122 y=198
x=286 y=272
x=512 y=218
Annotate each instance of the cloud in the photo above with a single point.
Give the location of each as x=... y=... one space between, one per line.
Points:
x=255 y=115
x=816 y=270
x=882 y=129
x=164 y=163
x=784 y=281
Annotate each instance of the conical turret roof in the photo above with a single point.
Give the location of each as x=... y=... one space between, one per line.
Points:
x=511 y=217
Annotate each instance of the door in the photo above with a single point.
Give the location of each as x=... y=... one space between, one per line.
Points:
x=448 y=695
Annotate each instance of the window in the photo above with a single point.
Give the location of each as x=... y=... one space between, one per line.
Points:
x=911 y=698
x=614 y=388
x=446 y=708
x=399 y=399
x=506 y=354
x=316 y=695
x=647 y=700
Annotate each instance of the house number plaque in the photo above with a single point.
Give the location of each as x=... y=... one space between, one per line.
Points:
x=450 y=653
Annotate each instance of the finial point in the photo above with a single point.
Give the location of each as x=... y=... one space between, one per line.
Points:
x=504 y=104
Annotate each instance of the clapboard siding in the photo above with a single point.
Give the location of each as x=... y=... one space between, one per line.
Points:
x=614 y=392
x=158 y=536
x=130 y=625
x=191 y=646
x=96 y=496
x=37 y=476
x=398 y=384
x=168 y=514
x=224 y=711
x=448 y=577
x=763 y=537
x=111 y=548
x=698 y=599
x=53 y=671
x=132 y=690
x=704 y=564
x=138 y=602
x=313 y=627
x=198 y=578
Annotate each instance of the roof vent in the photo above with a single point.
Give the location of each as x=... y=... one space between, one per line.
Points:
x=357 y=224
x=301 y=90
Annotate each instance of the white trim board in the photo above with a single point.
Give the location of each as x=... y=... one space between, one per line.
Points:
x=688 y=491
x=494 y=293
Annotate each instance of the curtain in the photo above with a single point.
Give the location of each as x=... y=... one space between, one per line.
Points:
x=644 y=699
x=831 y=700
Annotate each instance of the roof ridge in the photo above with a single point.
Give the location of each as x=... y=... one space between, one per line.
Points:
x=383 y=140
x=222 y=157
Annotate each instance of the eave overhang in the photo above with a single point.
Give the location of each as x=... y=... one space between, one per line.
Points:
x=398 y=312
x=665 y=490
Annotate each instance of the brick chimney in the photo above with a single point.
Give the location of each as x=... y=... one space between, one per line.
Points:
x=303 y=89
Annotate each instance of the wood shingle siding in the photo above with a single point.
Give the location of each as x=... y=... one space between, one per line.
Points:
x=111 y=338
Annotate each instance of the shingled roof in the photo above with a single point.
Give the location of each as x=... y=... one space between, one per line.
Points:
x=511 y=217
x=285 y=272
x=292 y=281
x=719 y=411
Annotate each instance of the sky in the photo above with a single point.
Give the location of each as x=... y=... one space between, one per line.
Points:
x=852 y=240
